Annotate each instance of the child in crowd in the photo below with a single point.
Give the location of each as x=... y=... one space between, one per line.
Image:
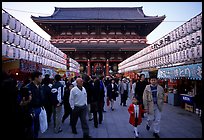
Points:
x=135 y=110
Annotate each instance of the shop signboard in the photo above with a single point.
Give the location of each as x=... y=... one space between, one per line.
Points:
x=193 y=71
x=187 y=98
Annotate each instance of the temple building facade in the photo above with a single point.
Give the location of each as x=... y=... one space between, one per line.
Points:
x=99 y=38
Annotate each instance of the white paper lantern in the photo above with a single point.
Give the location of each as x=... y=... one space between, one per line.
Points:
x=188 y=54
x=193 y=39
x=192 y=53
x=23 y=30
x=18 y=26
x=10 y=52
x=174 y=46
x=22 y=54
x=198 y=39
x=184 y=42
x=177 y=33
x=4 y=49
x=32 y=36
x=181 y=56
x=28 y=32
x=189 y=27
x=32 y=45
x=5 y=35
x=26 y=55
x=34 y=58
x=30 y=56
x=180 y=44
x=199 y=21
x=175 y=57
x=27 y=43
x=180 y=31
x=198 y=51
x=17 y=40
x=188 y=40
x=11 y=37
x=38 y=49
x=184 y=29
x=36 y=38
x=22 y=42
x=184 y=56
x=45 y=44
x=194 y=24
x=16 y=53
x=35 y=48
x=12 y=23
x=5 y=19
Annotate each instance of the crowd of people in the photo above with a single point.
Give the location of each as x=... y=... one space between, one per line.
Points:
x=81 y=97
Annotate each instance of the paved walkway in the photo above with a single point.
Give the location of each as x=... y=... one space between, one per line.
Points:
x=175 y=123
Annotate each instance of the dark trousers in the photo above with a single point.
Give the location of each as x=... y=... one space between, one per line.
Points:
x=80 y=112
x=36 y=121
x=100 y=113
x=124 y=97
x=67 y=112
x=48 y=108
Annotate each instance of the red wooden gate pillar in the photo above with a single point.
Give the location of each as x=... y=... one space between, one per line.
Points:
x=89 y=69
x=107 y=67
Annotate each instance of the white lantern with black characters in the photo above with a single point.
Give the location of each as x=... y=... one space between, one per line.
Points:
x=194 y=24
x=22 y=54
x=198 y=39
x=18 y=26
x=11 y=37
x=22 y=42
x=5 y=35
x=28 y=31
x=12 y=23
x=193 y=39
x=199 y=21
x=16 y=53
x=11 y=52
x=184 y=43
x=184 y=29
x=23 y=30
x=4 y=49
x=189 y=27
x=5 y=19
x=198 y=51
x=17 y=40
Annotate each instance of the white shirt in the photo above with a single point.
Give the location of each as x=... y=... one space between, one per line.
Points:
x=77 y=97
x=125 y=86
x=136 y=109
x=112 y=85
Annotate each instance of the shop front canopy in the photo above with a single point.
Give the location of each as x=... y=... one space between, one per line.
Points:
x=193 y=71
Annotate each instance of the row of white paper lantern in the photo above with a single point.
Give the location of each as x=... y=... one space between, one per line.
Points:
x=177 y=57
x=23 y=43
x=17 y=27
x=183 y=43
x=17 y=53
x=187 y=28
x=189 y=31
x=188 y=41
x=73 y=61
x=73 y=65
x=190 y=37
x=73 y=69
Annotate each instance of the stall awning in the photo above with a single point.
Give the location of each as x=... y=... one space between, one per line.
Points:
x=193 y=71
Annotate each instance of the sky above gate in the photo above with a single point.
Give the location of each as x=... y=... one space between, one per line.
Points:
x=177 y=13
